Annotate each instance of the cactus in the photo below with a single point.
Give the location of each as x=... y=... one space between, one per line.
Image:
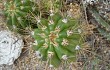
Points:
x=57 y=39
x=106 y=27
x=16 y=11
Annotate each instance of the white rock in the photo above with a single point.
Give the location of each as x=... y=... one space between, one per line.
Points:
x=10 y=47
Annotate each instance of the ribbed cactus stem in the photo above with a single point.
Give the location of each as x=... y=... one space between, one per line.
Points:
x=57 y=38
x=16 y=12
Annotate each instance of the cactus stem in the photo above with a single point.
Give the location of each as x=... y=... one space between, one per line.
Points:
x=57 y=36
x=16 y=11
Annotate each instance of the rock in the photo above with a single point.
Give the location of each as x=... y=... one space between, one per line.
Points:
x=10 y=47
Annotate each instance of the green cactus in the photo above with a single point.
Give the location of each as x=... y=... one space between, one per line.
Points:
x=106 y=27
x=57 y=39
x=16 y=11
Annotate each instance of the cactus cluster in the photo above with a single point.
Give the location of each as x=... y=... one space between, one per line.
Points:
x=16 y=11
x=56 y=39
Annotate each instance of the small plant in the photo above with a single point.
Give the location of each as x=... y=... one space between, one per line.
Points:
x=105 y=27
x=57 y=39
x=16 y=11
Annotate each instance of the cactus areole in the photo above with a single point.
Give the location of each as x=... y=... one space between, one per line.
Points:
x=16 y=11
x=56 y=39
